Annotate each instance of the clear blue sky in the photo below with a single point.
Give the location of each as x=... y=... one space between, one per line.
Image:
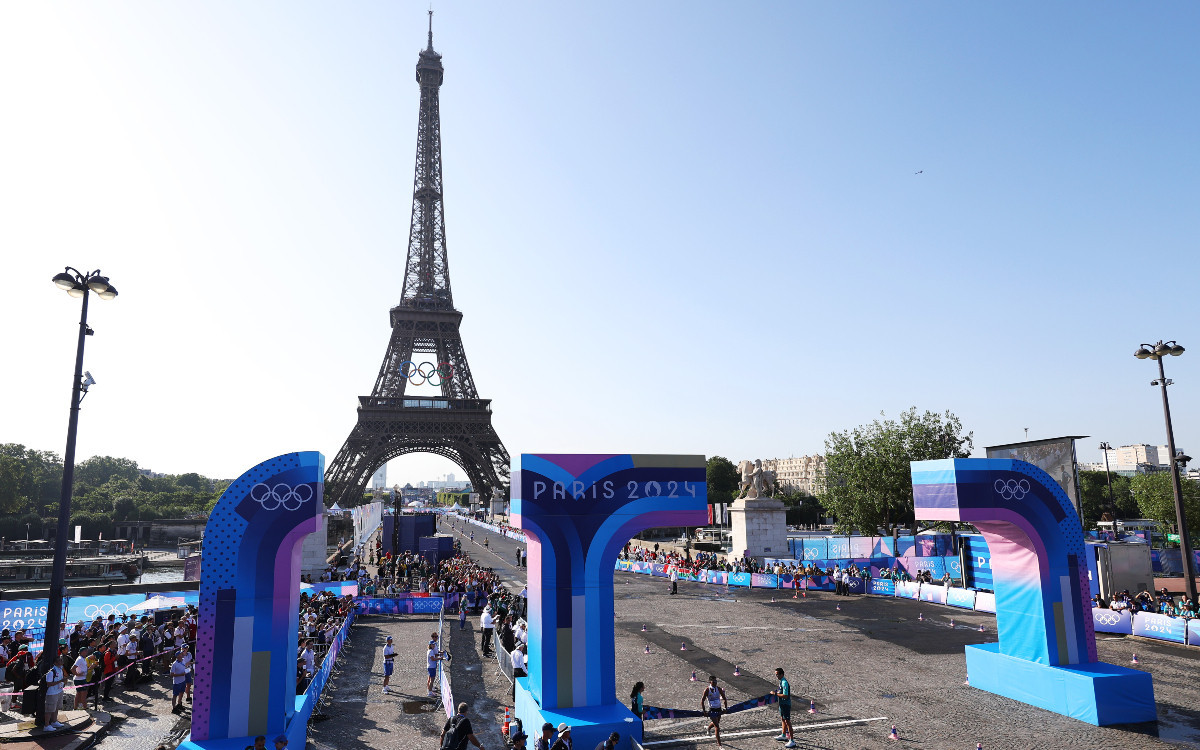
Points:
x=673 y=227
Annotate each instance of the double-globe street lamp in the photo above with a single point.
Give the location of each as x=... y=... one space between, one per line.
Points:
x=1157 y=352
x=76 y=284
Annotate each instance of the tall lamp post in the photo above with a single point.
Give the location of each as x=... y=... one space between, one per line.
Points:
x=1112 y=504
x=1157 y=352
x=76 y=284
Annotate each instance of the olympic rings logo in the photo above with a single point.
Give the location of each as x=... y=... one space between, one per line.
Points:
x=810 y=554
x=955 y=567
x=92 y=611
x=1108 y=618
x=1012 y=489
x=419 y=374
x=281 y=495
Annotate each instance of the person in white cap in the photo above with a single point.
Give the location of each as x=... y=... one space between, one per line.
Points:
x=389 y=658
x=564 y=741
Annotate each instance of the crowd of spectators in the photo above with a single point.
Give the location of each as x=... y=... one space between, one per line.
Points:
x=321 y=617
x=98 y=656
x=1163 y=603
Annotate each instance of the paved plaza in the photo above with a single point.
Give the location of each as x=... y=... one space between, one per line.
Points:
x=867 y=666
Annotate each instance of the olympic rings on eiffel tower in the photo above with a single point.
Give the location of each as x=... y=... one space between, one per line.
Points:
x=419 y=374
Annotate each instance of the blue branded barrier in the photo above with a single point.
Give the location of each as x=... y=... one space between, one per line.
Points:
x=964 y=598
x=855 y=585
x=1193 y=632
x=908 y=589
x=985 y=601
x=739 y=579
x=1162 y=627
x=1111 y=621
x=933 y=593
x=883 y=587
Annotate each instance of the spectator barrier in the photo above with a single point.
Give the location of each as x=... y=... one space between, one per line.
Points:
x=1145 y=624
x=306 y=703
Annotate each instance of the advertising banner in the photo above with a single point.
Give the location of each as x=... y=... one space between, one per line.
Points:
x=90 y=607
x=935 y=565
x=839 y=548
x=855 y=585
x=906 y=546
x=739 y=579
x=764 y=580
x=884 y=547
x=862 y=546
x=953 y=567
x=1055 y=456
x=932 y=592
x=816 y=549
x=883 y=587
x=985 y=601
x=719 y=577
x=820 y=583
x=23 y=613
x=658 y=569
x=1163 y=627
x=908 y=589
x=1193 y=632
x=964 y=598
x=1110 y=621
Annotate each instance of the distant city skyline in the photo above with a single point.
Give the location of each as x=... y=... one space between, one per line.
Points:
x=714 y=229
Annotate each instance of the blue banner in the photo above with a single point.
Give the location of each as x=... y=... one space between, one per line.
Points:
x=764 y=580
x=883 y=587
x=839 y=548
x=816 y=549
x=978 y=574
x=23 y=613
x=1162 y=627
x=1111 y=621
x=1193 y=632
x=935 y=565
x=964 y=598
x=88 y=608
x=658 y=569
x=855 y=585
x=739 y=579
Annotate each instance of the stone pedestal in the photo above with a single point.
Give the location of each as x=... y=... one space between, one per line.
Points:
x=759 y=528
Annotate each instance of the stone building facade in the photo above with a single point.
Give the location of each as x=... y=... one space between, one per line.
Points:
x=798 y=474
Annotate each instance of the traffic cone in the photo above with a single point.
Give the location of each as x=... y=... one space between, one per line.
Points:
x=894 y=735
x=647 y=649
x=693 y=676
x=951 y=622
x=507 y=718
x=812 y=707
x=981 y=627
x=772 y=600
x=737 y=671
x=978 y=746
x=1135 y=659
x=921 y=616
x=643 y=627
x=682 y=646
x=839 y=607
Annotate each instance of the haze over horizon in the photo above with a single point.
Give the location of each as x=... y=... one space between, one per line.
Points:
x=671 y=229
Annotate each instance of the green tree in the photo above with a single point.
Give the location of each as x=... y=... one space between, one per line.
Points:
x=1094 y=497
x=868 y=481
x=1156 y=499
x=97 y=470
x=722 y=478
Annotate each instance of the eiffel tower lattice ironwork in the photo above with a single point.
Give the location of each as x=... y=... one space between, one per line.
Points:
x=457 y=423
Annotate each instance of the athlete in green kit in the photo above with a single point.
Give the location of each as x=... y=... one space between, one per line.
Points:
x=784 y=694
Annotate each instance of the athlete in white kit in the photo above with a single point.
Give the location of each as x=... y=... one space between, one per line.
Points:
x=711 y=700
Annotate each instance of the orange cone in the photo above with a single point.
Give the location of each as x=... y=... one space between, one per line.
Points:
x=507 y=718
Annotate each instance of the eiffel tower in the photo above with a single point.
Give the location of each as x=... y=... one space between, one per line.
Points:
x=457 y=423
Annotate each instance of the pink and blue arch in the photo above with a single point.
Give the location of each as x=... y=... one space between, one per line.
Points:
x=246 y=638
x=1046 y=654
x=578 y=512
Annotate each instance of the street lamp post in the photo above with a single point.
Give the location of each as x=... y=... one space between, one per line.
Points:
x=1112 y=504
x=1157 y=352
x=76 y=284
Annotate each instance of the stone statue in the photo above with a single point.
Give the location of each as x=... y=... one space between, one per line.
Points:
x=755 y=482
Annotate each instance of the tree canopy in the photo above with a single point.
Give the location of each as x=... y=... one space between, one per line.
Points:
x=1156 y=499
x=868 y=483
x=107 y=491
x=722 y=478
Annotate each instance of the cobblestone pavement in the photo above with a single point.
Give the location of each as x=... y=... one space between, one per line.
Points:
x=142 y=716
